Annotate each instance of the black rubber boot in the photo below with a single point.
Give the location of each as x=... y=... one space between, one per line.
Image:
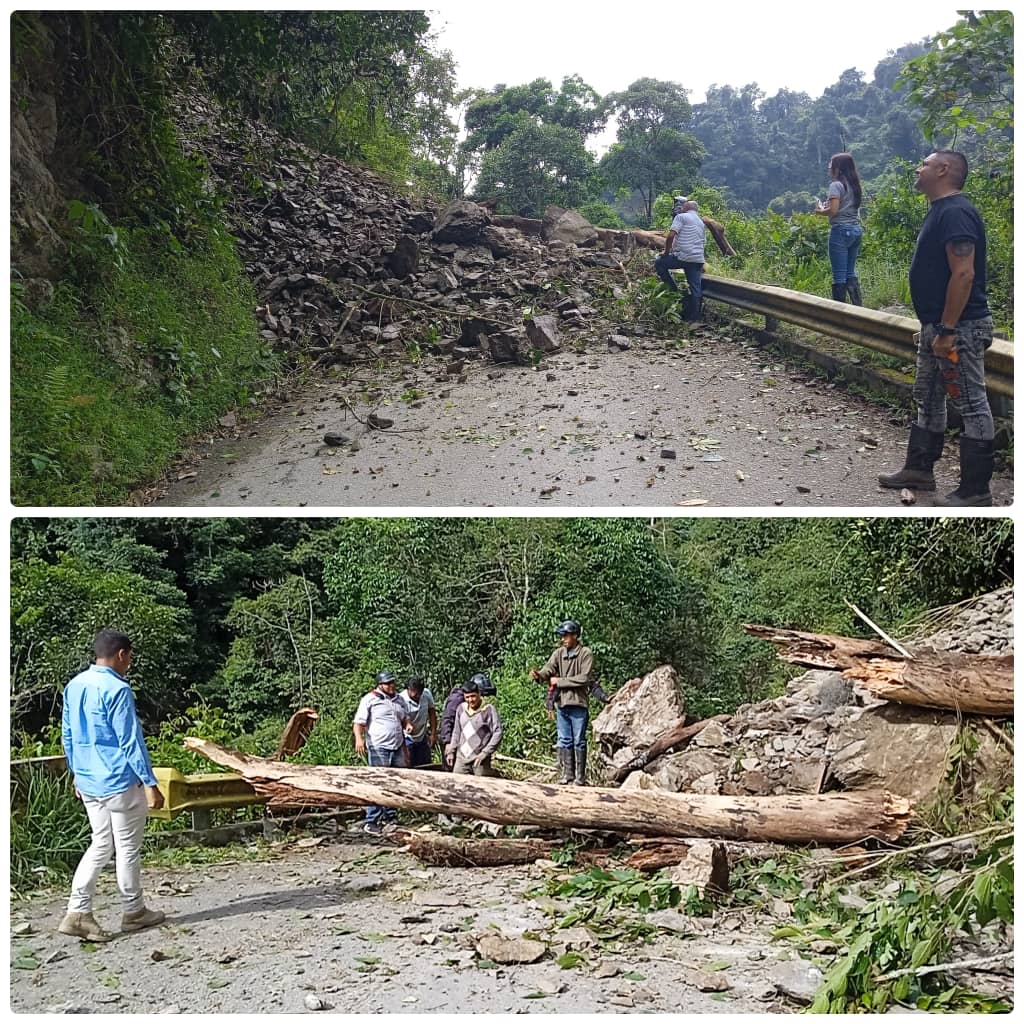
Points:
x=923 y=450
x=977 y=459
x=581 y=766
x=838 y=292
x=566 y=766
x=853 y=287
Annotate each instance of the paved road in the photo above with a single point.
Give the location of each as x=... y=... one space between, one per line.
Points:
x=710 y=421
x=367 y=930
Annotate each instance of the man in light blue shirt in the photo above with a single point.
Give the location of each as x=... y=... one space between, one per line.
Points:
x=114 y=779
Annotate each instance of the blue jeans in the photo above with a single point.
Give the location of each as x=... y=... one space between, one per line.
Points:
x=419 y=752
x=379 y=757
x=694 y=274
x=571 y=723
x=843 y=246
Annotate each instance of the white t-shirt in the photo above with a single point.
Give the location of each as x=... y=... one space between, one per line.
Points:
x=384 y=718
x=419 y=712
x=688 y=244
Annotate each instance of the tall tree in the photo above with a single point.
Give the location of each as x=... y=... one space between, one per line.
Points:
x=652 y=153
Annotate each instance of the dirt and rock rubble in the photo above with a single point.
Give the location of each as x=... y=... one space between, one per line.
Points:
x=347 y=926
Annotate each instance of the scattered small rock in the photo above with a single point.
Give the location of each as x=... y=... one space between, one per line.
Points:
x=908 y=497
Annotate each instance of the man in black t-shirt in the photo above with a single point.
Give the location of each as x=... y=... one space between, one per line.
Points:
x=947 y=288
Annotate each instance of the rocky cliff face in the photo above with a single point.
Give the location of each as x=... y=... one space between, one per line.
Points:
x=38 y=203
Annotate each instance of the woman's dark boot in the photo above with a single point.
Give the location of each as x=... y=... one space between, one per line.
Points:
x=853 y=287
x=923 y=451
x=977 y=460
x=838 y=292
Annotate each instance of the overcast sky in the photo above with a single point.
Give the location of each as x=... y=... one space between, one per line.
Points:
x=781 y=44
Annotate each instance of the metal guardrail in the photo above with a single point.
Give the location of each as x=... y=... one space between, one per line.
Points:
x=198 y=794
x=882 y=332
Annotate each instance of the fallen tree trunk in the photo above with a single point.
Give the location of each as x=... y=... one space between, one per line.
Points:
x=678 y=734
x=799 y=818
x=970 y=683
x=449 y=851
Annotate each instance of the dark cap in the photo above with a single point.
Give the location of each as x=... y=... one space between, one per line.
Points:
x=569 y=626
x=385 y=677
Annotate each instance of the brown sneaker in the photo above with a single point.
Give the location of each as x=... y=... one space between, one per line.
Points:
x=83 y=926
x=140 y=919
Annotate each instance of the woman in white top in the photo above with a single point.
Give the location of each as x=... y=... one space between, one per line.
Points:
x=842 y=207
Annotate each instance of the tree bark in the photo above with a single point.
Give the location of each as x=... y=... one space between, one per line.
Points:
x=449 y=851
x=676 y=735
x=969 y=683
x=800 y=818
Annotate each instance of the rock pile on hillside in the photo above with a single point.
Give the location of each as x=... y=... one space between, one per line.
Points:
x=347 y=269
x=825 y=732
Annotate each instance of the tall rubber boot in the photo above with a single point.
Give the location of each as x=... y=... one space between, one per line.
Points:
x=566 y=765
x=581 y=766
x=977 y=459
x=853 y=287
x=923 y=450
x=838 y=292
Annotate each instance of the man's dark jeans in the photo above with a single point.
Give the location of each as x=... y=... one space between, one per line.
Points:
x=693 y=271
x=378 y=757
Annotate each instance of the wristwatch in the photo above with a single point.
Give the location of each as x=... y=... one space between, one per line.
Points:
x=943 y=329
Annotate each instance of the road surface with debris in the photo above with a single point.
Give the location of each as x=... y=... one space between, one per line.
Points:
x=711 y=420
x=355 y=926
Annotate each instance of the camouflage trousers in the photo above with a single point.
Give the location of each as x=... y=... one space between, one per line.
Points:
x=960 y=379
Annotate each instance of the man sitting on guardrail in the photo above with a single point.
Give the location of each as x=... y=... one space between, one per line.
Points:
x=114 y=779
x=947 y=288
x=684 y=248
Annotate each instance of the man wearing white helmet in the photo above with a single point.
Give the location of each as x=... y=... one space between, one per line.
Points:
x=684 y=249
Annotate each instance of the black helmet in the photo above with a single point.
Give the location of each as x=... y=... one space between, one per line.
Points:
x=385 y=677
x=569 y=626
x=484 y=684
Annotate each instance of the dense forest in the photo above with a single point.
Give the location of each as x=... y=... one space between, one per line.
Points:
x=132 y=314
x=240 y=621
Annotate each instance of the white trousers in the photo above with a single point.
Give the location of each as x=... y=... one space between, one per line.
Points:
x=118 y=825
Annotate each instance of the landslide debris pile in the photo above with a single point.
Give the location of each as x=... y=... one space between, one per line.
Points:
x=824 y=733
x=347 y=269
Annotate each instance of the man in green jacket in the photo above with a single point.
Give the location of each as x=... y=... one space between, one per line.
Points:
x=569 y=671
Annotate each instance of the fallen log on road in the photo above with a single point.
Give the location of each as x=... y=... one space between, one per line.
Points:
x=450 y=851
x=676 y=735
x=969 y=683
x=798 y=818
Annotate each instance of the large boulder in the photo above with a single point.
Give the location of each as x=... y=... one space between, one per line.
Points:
x=638 y=714
x=568 y=227
x=896 y=747
x=460 y=221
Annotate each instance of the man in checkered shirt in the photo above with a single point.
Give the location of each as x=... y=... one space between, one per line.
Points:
x=476 y=735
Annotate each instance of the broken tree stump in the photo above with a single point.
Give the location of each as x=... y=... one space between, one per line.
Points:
x=799 y=818
x=450 y=851
x=970 y=683
x=680 y=733
x=296 y=732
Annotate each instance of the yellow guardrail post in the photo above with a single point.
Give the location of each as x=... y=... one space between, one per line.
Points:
x=202 y=793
